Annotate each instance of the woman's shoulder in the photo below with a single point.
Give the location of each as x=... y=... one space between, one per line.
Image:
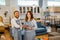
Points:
x=33 y=20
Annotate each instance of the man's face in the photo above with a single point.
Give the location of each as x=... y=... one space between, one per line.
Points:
x=16 y=14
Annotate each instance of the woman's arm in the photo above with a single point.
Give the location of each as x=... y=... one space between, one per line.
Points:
x=35 y=25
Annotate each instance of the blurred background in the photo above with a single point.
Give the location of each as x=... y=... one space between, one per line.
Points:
x=47 y=12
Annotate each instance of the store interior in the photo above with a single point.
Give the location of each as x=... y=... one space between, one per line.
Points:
x=46 y=14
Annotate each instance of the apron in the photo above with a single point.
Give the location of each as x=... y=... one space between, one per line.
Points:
x=17 y=32
x=29 y=34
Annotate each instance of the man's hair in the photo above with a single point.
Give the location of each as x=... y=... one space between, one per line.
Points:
x=16 y=11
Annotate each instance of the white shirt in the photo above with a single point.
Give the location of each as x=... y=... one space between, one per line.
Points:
x=6 y=20
x=34 y=22
x=14 y=24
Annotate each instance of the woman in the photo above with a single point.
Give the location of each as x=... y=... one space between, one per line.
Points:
x=30 y=26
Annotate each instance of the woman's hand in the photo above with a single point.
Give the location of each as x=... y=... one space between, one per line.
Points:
x=23 y=26
x=28 y=28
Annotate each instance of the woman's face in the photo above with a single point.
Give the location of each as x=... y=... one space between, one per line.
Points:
x=28 y=15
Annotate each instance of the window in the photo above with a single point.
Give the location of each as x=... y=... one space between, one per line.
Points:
x=27 y=8
x=24 y=9
x=2 y=2
x=32 y=9
x=53 y=2
x=20 y=9
x=29 y=5
x=35 y=10
x=38 y=10
x=27 y=2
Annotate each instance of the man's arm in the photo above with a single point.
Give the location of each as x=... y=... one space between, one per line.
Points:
x=13 y=23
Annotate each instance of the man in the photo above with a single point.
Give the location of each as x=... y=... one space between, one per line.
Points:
x=6 y=19
x=16 y=26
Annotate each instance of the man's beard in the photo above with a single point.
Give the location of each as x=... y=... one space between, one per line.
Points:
x=17 y=17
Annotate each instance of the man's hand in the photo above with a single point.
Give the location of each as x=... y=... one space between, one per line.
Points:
x=23 y=26
x=29 y=28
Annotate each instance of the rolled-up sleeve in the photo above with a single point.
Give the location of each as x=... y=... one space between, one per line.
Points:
x=14 y=24
x=35 y=24
x=20 y=25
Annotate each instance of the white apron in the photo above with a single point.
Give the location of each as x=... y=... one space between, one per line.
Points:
x=17 y=32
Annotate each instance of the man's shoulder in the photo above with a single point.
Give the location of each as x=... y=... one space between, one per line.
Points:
x=12 y=19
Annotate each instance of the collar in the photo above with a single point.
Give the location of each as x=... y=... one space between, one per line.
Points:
x=16 y=18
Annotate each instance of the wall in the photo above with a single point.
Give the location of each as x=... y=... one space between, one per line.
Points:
x=11 y=5
x=4 y=8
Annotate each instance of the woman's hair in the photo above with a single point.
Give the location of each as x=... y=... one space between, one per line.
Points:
x=26 y=19
x=1 y=18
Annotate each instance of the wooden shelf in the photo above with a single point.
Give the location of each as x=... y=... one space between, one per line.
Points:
x=55 y=9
